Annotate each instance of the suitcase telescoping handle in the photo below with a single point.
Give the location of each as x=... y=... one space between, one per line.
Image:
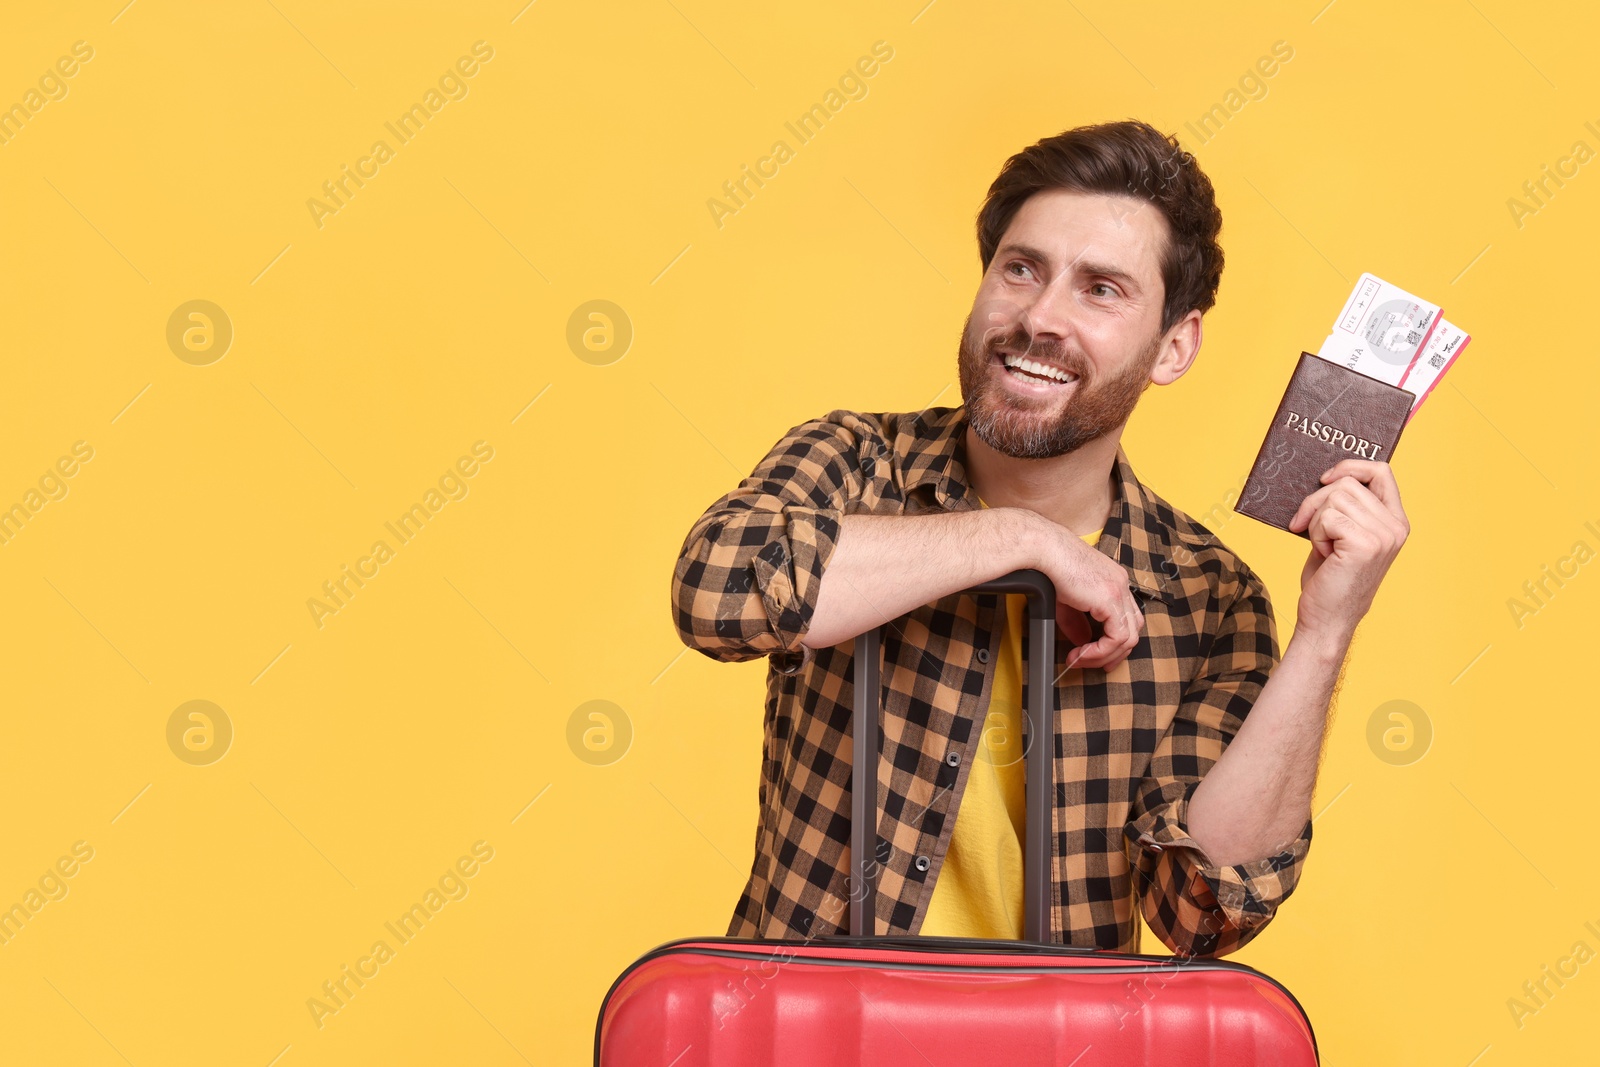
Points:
x=1037 y=850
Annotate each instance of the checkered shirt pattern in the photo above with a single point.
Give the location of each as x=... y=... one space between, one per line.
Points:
x=1131 y=744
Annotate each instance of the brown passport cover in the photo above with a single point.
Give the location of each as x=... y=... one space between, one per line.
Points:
x=1328 y=413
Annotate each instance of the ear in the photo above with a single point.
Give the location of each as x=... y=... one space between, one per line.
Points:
x=1179 y=349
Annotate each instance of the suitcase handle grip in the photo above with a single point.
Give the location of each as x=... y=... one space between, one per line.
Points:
x=1038 y=833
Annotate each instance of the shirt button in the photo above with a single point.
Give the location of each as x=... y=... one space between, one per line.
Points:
x=953 y=758
x=923 y=863
x=983 y=655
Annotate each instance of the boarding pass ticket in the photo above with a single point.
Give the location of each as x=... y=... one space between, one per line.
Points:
x=1387 y=334
x=1380 y=331
x=1440 y=352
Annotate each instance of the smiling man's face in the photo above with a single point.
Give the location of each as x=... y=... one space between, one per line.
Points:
x=1065 y=329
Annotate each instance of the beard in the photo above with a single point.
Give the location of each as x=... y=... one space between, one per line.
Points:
x=1042 y=427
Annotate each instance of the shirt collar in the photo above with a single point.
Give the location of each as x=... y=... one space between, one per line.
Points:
x=1136 y=535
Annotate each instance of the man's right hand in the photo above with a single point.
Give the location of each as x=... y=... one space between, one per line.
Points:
x=886 y=565
x=1088 y=583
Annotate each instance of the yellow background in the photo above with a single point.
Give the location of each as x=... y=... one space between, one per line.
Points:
x=432 y=711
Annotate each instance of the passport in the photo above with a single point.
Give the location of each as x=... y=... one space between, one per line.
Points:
x=1329 y=412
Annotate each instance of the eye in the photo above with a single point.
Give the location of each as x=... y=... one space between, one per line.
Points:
x=1110 y=291
x=1017 y=264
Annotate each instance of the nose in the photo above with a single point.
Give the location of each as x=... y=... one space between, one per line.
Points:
x=1048 y=314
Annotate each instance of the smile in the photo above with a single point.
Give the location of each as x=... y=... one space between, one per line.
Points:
x=1032 y=371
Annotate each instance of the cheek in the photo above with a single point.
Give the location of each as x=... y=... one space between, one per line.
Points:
x=1103 y=346
x=993 y=318
x=1111 y=338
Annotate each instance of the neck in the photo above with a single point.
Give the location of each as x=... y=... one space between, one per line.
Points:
x=1073 y=490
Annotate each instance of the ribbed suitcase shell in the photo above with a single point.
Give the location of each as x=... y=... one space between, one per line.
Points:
x=721 y=1002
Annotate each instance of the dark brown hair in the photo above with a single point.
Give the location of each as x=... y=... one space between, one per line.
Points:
x=1131 y=159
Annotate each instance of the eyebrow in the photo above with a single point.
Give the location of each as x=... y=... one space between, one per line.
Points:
x=1104 y=270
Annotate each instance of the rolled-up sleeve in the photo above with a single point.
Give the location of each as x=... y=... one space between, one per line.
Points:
x=745 y=584
x=1194 y=906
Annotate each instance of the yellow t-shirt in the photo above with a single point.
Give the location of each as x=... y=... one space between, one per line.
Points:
x=978 y=892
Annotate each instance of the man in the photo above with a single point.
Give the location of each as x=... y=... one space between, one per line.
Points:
x=1186 y=748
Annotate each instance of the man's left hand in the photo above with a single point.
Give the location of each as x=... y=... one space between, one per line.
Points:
x=1356 y=525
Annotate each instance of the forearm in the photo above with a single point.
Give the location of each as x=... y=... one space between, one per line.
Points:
x=1257 y=796
x=886 y=565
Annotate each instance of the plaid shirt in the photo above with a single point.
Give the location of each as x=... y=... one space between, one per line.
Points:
x=1131 y=743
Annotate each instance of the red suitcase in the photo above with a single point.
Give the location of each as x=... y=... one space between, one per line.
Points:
x=916 y=1001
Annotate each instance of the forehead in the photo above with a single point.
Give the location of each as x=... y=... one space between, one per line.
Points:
x=1068 y=225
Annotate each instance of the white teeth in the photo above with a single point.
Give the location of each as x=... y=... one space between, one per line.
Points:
x=1034 y=367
